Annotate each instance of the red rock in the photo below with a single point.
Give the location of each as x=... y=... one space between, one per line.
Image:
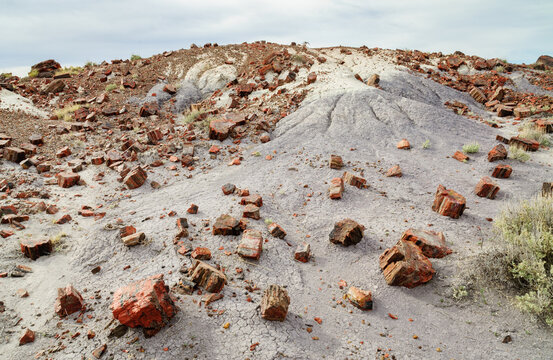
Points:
x=226 y=225
x=206 y=276
x=504 y=110
x=311 y=78
x=404 y=144
x=228 y=188
x=36 y=139
x=99 y=351
x=64 y=219
x=251 y=244
x=244 y=89
x=526 y=144
x=360 y=298
x=219 y=129
x=14 y=154
x=154 y=136
x=255 y=199
x=28 y=337
x=336 y=188
x=454 y=62
x=373 y=80
x=303 y=252
x=431 y=243
x=135 y=178
x=55 y=86
x=546 y=125
x=128 y=84
x=34 y=249
x=478 y=95
x=193 y=209
x=486 y=188
x=460 y=156
x=354 y=180
x=149 y=109
x=68 y=301
x=346 y=232
x=274 y=304
x=134 y=239
x=498 y=94
x=405 y=265
x=265 y=138
x=497 y=153
x=46 y=68
x=6 y=233
x=201 y=253
x=276 y=230
x=394 y=171
x=251 y=211
x=67 y=179
x=502 y=171
x=146 y=303
x=522 y=112
x=127 y=230
x=214 y=149
x=336 y=162
x=448 y=203
x=43 y=167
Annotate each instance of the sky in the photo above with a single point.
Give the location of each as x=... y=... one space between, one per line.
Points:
x=74 y=32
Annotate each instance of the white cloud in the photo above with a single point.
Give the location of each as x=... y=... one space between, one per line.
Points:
x=76 y=31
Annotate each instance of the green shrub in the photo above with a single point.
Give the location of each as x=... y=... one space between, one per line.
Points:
x=33 y=73
x=135 y=57
x=533 y=132
x=111 y=87
x=299 y=58
x=191 y=116
x=426 y=144
x=518 y=153
x=6 y=75
x=471 y=148
x=66 y=114
x=73 y=70
x=525 y=240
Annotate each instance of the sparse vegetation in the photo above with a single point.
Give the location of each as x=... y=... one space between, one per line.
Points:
x=191 y=116
x=90 y=63
x=471 y=148
x=204 y=124
x=525 y=245
x=460 y=292
x=6 y=75
x=499 y=69
x=73 y=70
x=33 y=73
x=426 y=144
x=111 y=87
x=135 y=57
x=299 y=58
x=532 y=132
x=518 y=153
x=66 y=114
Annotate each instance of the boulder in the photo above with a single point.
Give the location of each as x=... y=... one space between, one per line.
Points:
x=55 y=86
x=226 y=225
x=502 y=171
x=405 y=265
x=33 y=249
x=394 y=171
x=208 y=277
x=354 y=180
x=346 y=232
x=28 y=337
x=251 y=244
x=276 y=230
x=360 y=298
x=274 y=304
x=336 y=188
x=431 y=243
x=303 y=252
x=135 y=178
x=486 y=188
x=526 y=144
x=68 y=301
x=448 y=203
x=219 y=129
x=403 y=144
x=146 y=303
x=336 y=162
x=497 y=153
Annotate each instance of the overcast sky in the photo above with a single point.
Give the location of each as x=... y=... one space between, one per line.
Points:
x=74 y=32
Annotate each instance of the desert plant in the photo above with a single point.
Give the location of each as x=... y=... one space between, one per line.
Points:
x=499 y=69
x=426 y=144
x=471 y=148
x=518 y=153
x=6 y=75
x=33 y=73
x=73 y=70
x=111 y=87
x=90 y=63
x=299 y=58
x=525 y=241
x=191 y=116
x=532 y=132
x=66 y=114
x=135 y=57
